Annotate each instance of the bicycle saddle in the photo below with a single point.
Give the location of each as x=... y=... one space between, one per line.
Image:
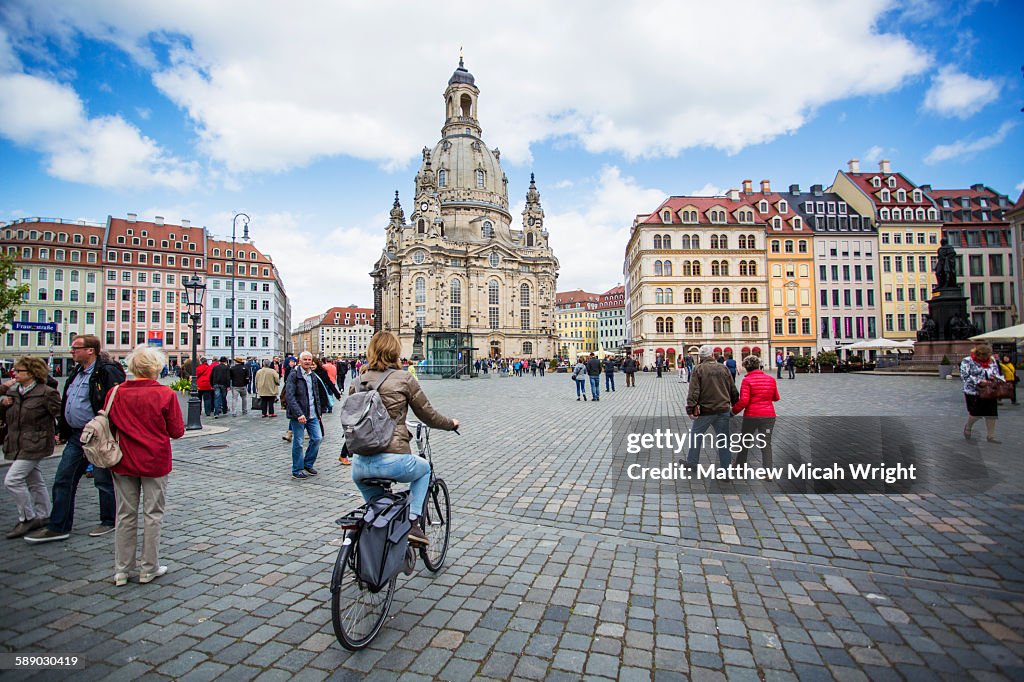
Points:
x=382 y=482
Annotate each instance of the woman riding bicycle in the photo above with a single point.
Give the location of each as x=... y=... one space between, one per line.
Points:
x=398 y=393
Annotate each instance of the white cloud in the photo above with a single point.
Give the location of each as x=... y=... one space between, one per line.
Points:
x=1020 y=186
x=872 y=155
x=968 y=148
x=708 y=190
x=589 y=241
x=143 y=112
x=105 y=151
x=956 y=94
x=563 y=184
x=632 y=80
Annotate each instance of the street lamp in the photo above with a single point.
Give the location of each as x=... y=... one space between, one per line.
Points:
x=234 y=267
x=195 y=289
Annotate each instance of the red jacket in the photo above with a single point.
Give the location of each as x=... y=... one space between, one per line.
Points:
x=203 y=377
x=146 y=415
x=757 y=393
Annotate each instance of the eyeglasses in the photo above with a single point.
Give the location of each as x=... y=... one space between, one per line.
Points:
x=78 y=347
x=18 y=369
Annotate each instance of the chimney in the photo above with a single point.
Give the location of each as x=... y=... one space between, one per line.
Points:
x=977 y=187
x=794 y=189
x=734 y=194
x=158 y=220
x=766 y=187
x=884 y=166
x=854 y=165
x=132 y=217
x=748 y=186
x=185 y=222
x=816 y=190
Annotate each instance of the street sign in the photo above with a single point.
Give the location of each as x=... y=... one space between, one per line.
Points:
x=154 y=338
x=35 y=327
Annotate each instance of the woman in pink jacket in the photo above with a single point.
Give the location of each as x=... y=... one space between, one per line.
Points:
x=758 y=392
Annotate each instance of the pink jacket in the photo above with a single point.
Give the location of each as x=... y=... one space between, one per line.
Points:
x=757 y=393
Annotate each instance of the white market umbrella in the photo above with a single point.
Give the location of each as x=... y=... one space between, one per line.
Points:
x=1007 y=334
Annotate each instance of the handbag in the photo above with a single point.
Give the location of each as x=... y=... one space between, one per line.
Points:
x=330 y=398
x=98 y=439
x=992 y=389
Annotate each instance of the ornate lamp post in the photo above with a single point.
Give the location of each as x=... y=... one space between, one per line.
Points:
x=195 y=290
x=234 y=267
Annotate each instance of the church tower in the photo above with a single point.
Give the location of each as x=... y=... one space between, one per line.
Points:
x=458 y=265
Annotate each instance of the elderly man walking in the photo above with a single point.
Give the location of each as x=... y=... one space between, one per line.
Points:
x=304 y=409
x=709 y=403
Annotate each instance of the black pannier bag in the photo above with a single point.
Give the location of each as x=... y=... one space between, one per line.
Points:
x=383 y=541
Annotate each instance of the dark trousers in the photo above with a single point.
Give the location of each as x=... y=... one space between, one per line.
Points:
x=207 y=398
x=267 y=404
x=65 y=485
x=631 y=379
x=758 y=425
x=609 y=382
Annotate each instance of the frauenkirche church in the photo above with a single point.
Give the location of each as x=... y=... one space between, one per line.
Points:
x=476 y=286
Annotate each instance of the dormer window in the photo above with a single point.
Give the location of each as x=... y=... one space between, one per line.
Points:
x=884 y=195
x=917 y=196
x=842 y=208
x=892 y=181
x=762 y=206
x=876 y=182
x=783 y=207
x=901 y=195
x=798 y=224
x=666 y=216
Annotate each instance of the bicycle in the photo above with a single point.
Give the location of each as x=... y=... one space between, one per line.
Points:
x=357 y=612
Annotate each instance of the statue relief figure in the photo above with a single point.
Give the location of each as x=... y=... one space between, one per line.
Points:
x=960 y=328
x=929 y=329
x=945 y=266
x=417 y=333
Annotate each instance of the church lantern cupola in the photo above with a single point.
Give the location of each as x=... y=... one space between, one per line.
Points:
x=460 y=104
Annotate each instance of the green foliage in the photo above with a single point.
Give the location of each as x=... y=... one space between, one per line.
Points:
x=182 y=385
x=802 y=361
x=10 y=296
x=945 y=360
x=553 y=365
x=827 y=357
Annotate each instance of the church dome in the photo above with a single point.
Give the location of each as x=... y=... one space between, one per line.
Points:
x=471 y=171
x=462 y=75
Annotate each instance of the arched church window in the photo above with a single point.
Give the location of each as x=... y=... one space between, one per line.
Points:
x=479 y=179
x=466 y=104
x=529 y=239
x=421 y=290
x=442 y=178
x=488 y=229
x=421 y=227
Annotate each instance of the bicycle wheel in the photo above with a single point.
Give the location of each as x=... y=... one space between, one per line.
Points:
x=356 y=613
x=437 y=524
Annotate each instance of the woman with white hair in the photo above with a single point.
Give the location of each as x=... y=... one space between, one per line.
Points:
x=147 y=416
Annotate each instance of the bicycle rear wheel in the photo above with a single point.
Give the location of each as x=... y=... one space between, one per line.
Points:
x=356 y=613
x=437 y=523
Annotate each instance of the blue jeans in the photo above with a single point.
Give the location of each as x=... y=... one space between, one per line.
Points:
x=65 y=485
x=398 y=467
x=609 y=382
x=581 y=388
x=220 y=399
x=720 y=422
x=595 y=386
x=316 y=435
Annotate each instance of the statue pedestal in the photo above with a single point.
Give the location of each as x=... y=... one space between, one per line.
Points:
x=417 y=351
x=946 y=303
x=931 y=352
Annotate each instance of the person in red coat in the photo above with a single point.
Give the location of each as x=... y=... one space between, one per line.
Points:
x=204 y=385
x=146 y=416
x=758 y=393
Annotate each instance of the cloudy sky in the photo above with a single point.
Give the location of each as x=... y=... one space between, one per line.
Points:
x=309 y=118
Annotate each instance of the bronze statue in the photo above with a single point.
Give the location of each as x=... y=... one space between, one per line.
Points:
x=929 y=330
x=960 y=328
x=945 y=266
x=417 y=334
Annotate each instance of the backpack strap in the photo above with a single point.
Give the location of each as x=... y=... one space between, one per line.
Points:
x=110 y=399
x=383 y=378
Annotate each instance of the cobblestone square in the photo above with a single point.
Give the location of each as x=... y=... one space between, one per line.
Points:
x=553 y=573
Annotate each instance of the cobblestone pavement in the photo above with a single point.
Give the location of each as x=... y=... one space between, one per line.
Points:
x=552 y=573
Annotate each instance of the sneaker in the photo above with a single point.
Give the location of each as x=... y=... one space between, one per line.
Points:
x=417 y=536
x=21 y=529
x=46 y=535
x=40 y=523
x=149 y=577
x=120 y=579
x=287 y=437
x=310 y=471
x=302 y=475
x=344 y=461
x=100 y=530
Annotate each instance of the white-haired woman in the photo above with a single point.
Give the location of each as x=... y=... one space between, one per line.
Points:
x=147 y=416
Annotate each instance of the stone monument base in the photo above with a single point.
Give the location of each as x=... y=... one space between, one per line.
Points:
x=933 y=351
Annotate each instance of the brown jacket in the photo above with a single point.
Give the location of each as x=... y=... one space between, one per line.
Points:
x=399 y=392
x=711 y=388
x=31 y=421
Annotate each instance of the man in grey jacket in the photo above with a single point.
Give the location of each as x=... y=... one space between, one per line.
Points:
x=709 y=403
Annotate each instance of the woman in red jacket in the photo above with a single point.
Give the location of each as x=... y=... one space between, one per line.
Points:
x=204 y=386
x=147 y=416
x=757 y=393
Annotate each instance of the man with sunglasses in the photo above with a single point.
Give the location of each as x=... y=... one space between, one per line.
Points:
x=85 y=393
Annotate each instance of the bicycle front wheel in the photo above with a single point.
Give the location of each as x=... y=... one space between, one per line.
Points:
x=437 y=524
x=356 y=613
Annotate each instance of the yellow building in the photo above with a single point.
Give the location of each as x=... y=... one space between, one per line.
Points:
x=576 y=322
x=909 y=229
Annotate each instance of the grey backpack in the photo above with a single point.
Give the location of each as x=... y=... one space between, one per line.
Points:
x=368 y=426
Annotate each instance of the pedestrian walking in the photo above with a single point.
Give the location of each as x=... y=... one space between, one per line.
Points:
x=659 y=364
x=780 y=362
x=730 y=364
x=239 y=375
x=304 y=410
x=594 y=373
x=709 y=403
x=146 y=417
x=29 y=408
x=758 y=394
x=268 y=384
x=609 y=375
x=680 y=370
x=977 y=371
x=290 y=364
x=579 y=376
x=341 y=371
x=1010 y=374
x=328 y=391
x=629 y=367
x=85 y=393
x=220 y=379
x=791 y=366
x=689 y=367
x=204 y=386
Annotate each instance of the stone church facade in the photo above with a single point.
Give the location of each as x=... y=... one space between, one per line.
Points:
x=458 y=265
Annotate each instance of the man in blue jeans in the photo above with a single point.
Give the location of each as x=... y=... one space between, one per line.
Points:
x=609 y=375
x=594 y=372
x=85 y=393
x=709 y=403
x=303 y=404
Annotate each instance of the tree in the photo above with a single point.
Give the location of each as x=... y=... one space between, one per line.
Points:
x=10 y=296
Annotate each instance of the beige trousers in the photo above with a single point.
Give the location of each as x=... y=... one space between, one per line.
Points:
x=153 y=492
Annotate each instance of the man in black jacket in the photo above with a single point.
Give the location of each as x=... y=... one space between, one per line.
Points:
x=302 y=402
x=220 y=379
x=239 y=374
x=594 y=372
x=85 y=393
